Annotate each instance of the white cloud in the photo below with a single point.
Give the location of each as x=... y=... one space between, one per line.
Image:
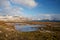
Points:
x=6 y=9
x=21 y=8
x=16 y=11
x=12 y=11
x=4 y=4
x=28 y=3
x=47 y=16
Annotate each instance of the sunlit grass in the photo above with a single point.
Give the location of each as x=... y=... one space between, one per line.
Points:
x=49 y=33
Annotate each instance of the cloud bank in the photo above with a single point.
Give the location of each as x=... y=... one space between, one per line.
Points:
x=28 y=3
x=6 y=8
x=47 y=16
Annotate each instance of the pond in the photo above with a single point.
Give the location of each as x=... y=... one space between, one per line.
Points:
x=27 y=28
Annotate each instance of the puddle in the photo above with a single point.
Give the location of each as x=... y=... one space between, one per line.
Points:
x=27 y=28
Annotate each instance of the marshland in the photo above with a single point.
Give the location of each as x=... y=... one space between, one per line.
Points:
x=30 y=31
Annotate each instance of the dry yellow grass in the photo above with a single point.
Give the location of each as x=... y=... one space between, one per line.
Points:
x=6 y=32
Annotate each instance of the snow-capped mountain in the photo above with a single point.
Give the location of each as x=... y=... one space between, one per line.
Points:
x=13 y=18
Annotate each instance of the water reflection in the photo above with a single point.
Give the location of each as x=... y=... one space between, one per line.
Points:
x=26 y=28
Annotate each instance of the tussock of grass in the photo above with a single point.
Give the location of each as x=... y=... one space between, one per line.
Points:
x=9 y=33
x=16 y=35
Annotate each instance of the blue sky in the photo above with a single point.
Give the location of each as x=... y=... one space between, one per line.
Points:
x=29 y=8
x=49 y=6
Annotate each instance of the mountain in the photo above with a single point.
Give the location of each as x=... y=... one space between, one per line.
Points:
x=45 y=20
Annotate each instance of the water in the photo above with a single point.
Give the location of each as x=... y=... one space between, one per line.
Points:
x=26 y=28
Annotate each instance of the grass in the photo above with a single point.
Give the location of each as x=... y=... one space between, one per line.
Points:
x=50 y=32
x=15 y=35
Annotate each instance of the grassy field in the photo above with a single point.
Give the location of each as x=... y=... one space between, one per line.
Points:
x=50 y=32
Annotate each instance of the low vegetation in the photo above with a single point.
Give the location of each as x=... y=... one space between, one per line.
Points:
x=49 y=33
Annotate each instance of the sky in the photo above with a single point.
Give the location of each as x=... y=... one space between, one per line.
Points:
x=37 y=9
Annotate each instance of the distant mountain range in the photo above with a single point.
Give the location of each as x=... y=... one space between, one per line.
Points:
x=46 y=20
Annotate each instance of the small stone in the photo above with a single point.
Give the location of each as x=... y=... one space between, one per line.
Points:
x=0 y=31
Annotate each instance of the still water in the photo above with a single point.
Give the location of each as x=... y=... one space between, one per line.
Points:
x=27 y=28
